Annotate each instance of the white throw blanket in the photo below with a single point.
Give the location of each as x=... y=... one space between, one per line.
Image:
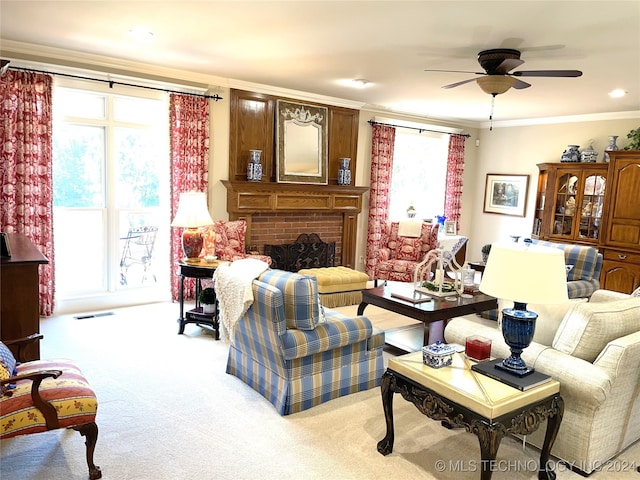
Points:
x=233 y=289
x=409 y=228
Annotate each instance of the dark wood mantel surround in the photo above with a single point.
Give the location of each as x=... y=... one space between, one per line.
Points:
x=244 y=199
x=330 y=210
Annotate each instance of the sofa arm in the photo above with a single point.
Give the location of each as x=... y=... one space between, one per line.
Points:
x=332 y=334
x=578 y=378
x=607 y=296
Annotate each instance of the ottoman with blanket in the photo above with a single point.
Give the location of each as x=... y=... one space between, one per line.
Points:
x=338 y=286
x=296 y=353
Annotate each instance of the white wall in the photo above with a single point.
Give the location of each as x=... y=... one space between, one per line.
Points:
x=517 y=150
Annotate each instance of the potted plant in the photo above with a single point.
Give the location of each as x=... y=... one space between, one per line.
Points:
x=207 y=299
x=485 y=252
x=634 y=136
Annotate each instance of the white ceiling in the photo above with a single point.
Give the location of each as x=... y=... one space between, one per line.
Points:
x=314 y=46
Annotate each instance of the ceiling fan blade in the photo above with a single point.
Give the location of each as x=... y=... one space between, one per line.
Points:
x=547 y=73
x=519 y=85
x=457 y=84
x=508 y=64
x=456 y=71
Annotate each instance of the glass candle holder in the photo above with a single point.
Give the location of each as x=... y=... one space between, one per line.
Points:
x=477 y=348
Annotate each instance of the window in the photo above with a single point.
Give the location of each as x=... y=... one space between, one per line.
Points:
x=419 y=174
x=110 y=175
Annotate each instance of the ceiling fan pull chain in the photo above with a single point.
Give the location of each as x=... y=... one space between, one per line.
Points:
x=493 y=101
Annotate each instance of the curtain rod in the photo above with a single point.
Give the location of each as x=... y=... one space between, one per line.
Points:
x=373 y=122
x=111 y=83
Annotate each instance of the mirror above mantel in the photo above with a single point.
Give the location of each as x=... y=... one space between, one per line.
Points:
x=301 y=147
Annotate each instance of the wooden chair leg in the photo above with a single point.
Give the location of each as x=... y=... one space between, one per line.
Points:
x=90 y=432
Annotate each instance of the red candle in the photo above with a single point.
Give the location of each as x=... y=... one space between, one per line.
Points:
x=478 y=348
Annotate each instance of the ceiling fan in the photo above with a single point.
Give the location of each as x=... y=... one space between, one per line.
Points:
x=496 y=79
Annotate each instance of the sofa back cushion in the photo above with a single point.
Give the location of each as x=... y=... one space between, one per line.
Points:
x=582 y=258
x=588 y=327
x=301 y=298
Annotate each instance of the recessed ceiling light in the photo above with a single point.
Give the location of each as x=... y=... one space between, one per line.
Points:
x=141 y=33
x=617 y=93
x=361 y=82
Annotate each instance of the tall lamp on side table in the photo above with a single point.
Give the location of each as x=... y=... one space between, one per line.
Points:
x=524 y=273
x=192 y=214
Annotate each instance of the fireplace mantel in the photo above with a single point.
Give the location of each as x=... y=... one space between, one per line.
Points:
x=247 y=198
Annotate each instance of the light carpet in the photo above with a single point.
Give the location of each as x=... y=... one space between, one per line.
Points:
x=168 y=410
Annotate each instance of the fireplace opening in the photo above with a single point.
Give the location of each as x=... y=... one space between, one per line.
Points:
x=308 y=251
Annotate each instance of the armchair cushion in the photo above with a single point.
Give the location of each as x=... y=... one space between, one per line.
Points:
x=588 y=327
x=407 y=248
x=301 y=298
x=70 y=394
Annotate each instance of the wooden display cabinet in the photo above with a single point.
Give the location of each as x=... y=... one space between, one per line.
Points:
x=570 y=204
x=621 y=266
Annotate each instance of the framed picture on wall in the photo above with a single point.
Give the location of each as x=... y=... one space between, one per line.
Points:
x=506 y=194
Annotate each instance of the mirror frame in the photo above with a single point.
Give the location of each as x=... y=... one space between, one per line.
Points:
x=303 y=115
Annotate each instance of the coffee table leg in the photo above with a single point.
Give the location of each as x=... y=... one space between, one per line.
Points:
x=385 y=446
x=553 y=425
x=361 y=308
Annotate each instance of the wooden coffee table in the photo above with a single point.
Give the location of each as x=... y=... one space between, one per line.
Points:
x=462 y=398
x=413 y=338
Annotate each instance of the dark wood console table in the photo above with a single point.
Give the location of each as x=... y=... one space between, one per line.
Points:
x=19 y=282
x=196 y=315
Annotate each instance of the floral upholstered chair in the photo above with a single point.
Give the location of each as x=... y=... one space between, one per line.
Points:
x=44 y=395
x=226 y=240
x=399 y=255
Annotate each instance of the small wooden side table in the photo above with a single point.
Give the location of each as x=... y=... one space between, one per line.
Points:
x=196 y=315
x=460 y=397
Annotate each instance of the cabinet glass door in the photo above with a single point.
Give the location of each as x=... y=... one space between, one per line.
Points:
x=567 y=183
x=591 y=207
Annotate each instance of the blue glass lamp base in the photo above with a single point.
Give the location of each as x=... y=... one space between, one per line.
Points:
x=518 y=327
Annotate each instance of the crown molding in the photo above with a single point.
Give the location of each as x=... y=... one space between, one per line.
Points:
x=61 y=58
x=591 y=117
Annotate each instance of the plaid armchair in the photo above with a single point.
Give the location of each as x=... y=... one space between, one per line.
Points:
x=297 y=354
x=586 y=263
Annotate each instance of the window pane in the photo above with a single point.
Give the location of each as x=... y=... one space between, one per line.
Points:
x=137 y=110
x=80 y=247
x=78 y=166
x=137 y=179
x=419 y=175
x=73 y=103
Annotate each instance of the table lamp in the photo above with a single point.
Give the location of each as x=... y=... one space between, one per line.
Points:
x=192 y=214
x=524 y=273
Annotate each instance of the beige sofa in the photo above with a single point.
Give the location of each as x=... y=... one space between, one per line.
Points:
x=593 y=349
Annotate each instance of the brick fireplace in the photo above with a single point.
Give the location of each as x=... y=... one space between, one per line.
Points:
x=277 y=213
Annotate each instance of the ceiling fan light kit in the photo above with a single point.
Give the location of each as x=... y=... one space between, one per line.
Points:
x=495 y=84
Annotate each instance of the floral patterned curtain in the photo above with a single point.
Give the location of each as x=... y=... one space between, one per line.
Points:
x=382 y=146
x=189 y=150
x=25 y=169
x=455 y=173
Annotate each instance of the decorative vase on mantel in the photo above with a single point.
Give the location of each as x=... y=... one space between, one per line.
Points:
x=344 y=174
x=254 y=167
x=612 y=146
